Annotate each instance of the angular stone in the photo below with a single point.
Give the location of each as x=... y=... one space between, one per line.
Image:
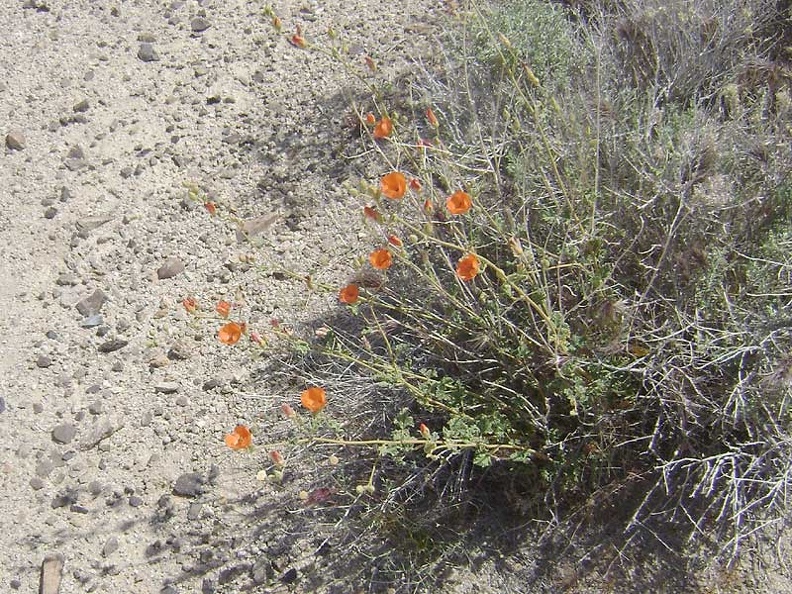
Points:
x=189 y=484
x=147 y=53
x=255 y=226
x=112 y=345
x=170 y=268
x=82 y=106
x=64 y=433
x=167 y=387
x=51 y=572
x=88 y=224
x=110 y=547
x=199 y=24
x=91 y=305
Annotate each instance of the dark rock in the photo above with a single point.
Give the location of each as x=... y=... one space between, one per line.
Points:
x=2 y=404
x=290 y=576
x=135 y=501
x=15 y=140
x=78 y=509
x=199 y=24
x=91 y=305
x=82 y=106
x=36 y=483
x=147 y=53
x=64 y=433
x=50 y=213
x=189 y=484
x=43 y=361
x=211 y=384
x=194 y=511
x=170 y=268
x=88 y=224
x=63 y=501
x=112 y=345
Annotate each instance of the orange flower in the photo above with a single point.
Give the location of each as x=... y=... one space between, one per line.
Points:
x=394 y=240
x=190 y=304
x=393 y=185
x=415 y=184
x=371 y=213
x=383 y=128
x=314 y=399
x=370 y=119
x=424 y=431
x=223 y=308
x=430 y=116
x=239 y=439
x=468 y=267
x=459 y=202
x=381 y=259
x=211 y=207
x=370 y=63
x=230 y=333
x=427 y=206
x=349 y=294
x=277 y=23
x=298 y=40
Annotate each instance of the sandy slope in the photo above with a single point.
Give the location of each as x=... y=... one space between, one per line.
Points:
x=94 y=201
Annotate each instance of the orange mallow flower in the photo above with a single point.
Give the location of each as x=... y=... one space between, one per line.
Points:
x=314 y=399
x=230 y=333
x=223 y=308
x=298 y=40
x=277 y=458
x=371 y=119
x=383 y=128
x=211 y=207
x=349 y=294
x=415 y=184
x=239 y=439
x=393 y=185
x=381 y=259
x=459 y=202
x=468 y=267
x=190 y=304
x=394 y=240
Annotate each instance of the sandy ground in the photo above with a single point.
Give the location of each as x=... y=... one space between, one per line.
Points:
x=113 y=399
x=110 y=108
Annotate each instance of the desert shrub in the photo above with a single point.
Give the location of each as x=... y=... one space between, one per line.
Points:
x=577 y=270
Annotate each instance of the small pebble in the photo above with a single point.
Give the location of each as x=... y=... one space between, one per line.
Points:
x=64 y=433
x=170 y=268
x=147 y=53
x=15 y=140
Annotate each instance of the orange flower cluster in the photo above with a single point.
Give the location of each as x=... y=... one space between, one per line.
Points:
x=314 y=399
x=381 y=259
x=393 y=185
x=349 y=294
x=239 y=439
x=230 y=333
x=459 y=202
x=383 y=128
x=190 y=304
x=468 y=267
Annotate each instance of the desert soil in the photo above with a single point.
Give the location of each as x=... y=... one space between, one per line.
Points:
x=114 y=400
